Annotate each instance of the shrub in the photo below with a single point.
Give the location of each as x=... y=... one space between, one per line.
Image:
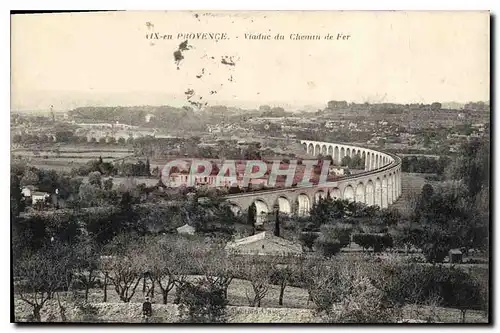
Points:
x=378 y=242
x=341 y=232
x=435 y=252
x=308 y=238
x=418 y=284
x=329 y=247
x=201 y=303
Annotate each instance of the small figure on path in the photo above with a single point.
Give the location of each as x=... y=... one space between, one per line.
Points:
x=147 y=310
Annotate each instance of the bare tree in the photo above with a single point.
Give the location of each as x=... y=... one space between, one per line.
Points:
x=87 y=261
x=219 y=269
x=167 y=261
x=123 y=268
x=258 y=272
x=42 y=274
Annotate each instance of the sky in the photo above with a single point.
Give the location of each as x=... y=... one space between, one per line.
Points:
x=81 y=59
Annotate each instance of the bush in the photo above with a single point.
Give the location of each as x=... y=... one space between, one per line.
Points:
x=418 y=284
x=329 y=247
x=435 y=252
x=378 y=242
x=308 y=238
x=201 y=303
x=341 y=232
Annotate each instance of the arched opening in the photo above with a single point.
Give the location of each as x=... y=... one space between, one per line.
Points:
x=304 y=204
x=284 y=205
x=323 y=150
x=330 y=151
x=378 y=192
x=369 y=195
x=384 y=192
x=262 y=211
x=319 y=195
x=335 y=193
x=317 y=150
x=349 y=193
x=342 y=154
x=336 y=157
x=389 y=190
x=310 y=150
x=360 y=193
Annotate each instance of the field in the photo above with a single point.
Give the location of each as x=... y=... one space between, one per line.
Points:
x=66 y=157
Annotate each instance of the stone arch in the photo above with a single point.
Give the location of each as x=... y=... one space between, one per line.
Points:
x=336 y=157
x=376 y=162
x=335 y=193
x=304 y=204
x=342 y=154
x=324 y=150
x=370 y=193
x=304 y=144
x=320 y=194
x=262 y=211
x=348 y=193
x=389 y=190
x=330 y=150
x=310 y=149
x=360 y=193
x=284 y=205
x=378 y=192
x=384 y=192
x=317 y=150
x=348 y=152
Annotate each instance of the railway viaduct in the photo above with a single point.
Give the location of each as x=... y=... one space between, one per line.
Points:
x=379 y=184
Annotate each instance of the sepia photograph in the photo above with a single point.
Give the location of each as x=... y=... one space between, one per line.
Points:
x=200 y=167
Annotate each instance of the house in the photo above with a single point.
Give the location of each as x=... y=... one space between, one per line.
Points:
x=39 y=196
x=186 y=229
x=26 y=191
x=455 y=256
x=264 y=243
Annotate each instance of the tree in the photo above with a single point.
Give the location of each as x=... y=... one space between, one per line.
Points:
x=258 y=272
x=218 y=268
x=123 y=270
x=29 y=178
x=165 y=261
x=108 y=184
x=90 y=195
x=252 y=215
x=121 y=140
x=308 y=238
x=41 y=274
x=201 y=302
x=95 y=179
x=87 y=263
x=360 y=300
x=282 y=275
x=148 y=168
x=436 y=106
x=277 y=224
